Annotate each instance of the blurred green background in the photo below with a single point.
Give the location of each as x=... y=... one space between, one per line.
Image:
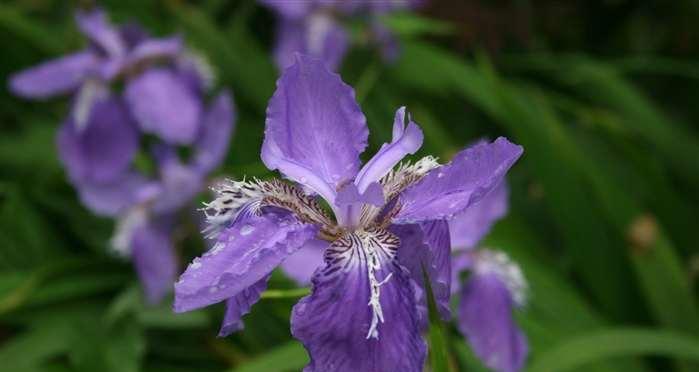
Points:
x=602 y=94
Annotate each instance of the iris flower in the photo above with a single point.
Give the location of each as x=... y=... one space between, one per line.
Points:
x=163 y=93
x=314 y=27
x=494 y=289
x=385 y=226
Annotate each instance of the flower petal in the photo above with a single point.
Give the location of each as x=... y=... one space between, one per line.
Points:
x=179 y=185
x=326 y=39
x=116 y=197
x=315 y=130
x=406 y=140
x=215 y=134
x=245 y=253
x=468 y=228
x=425 y=248
x=54 y=77
x=361 y=315
x=155 y=261
x=454 y=187
x=155 y=48
x=485 y=317
x=239 y=305
x=102 y=151
x=164 y=105
x=301 y=265
x=95 y=25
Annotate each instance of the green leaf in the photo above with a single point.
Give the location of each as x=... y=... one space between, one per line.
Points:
x=288 y=357
x=611 y=343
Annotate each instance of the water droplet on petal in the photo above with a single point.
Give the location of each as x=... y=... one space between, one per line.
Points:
x=246 y=230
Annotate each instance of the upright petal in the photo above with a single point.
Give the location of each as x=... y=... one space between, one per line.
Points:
x=326 y=39
x=454 y=187
x=407 y=138
x=425 y=249
x=239 y=305
x=245 y=253
x=468 y=228
x=102 y=151
x=58 y=76
x=215 y=134
x=290 y=39
x=164 y=105
x=315 y=130
x=95 y=25
x=485 y=318
x=155 y=261
x=301 y=265
x=361 y=315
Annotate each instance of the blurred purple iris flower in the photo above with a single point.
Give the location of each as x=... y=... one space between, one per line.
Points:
x=367 y=308
x=314 y=27
x=163 y=96
x=493 y=290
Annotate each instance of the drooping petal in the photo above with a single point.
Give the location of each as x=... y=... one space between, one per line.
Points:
x=425 y=249
x=155 y=262
x=468 y=228
x=215 y=134
x=96 y=27
x=301 y=265
x=239 y=305
x=315 y=129
x=104 y=149
x=485 y=318
x=407 y=138
x=361 y=314
x=245 y=253
x=54 y=77
x=454 y=187
x=116 y=197
x=164 y=105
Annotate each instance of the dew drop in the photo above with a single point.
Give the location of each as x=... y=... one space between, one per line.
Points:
x=246 y=230
x=195 y=264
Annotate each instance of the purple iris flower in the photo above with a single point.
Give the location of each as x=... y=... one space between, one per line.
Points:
x=367 y=308
x=163 y=95
x=493 y=290
x=314 y=27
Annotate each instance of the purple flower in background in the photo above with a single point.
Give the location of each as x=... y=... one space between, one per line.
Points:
x=494 y=289
x=163 y=95
x=315 y=28
x=367 y=307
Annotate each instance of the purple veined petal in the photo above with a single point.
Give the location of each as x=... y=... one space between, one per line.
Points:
x=54 y=77
x=164 y=105
x=168 y=47
x=301 y=265
x=315 y=129
x=215 y=134
x=239 y=305
x=468 y=228
x=361 y=314
x=104 y=149
x=289 y=9
x=485 y=318
x=154 y=260
x=326 y=39
x=245 y=253
x=116 y=197
x=454 y=187
x=96 y=27
x=425 y=249
x=407 y=138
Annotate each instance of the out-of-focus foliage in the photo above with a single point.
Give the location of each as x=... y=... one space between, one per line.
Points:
x=605 y=208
